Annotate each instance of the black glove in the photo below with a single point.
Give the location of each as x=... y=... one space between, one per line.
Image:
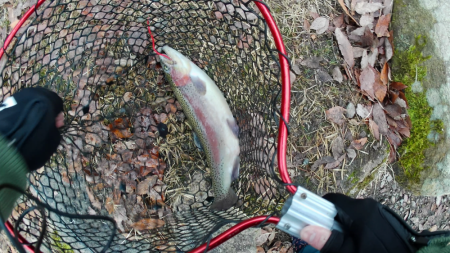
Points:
x=370 y=227
x=27 y=120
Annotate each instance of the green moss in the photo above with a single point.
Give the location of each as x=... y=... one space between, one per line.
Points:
x=59 y=244
x=409 y=67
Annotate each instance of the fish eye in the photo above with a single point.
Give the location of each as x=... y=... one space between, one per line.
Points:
x=166 y=68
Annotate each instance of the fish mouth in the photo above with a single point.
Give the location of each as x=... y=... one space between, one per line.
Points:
x=171 y=53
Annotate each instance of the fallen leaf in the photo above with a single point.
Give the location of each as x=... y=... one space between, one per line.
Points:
x=338 y=21
x=262 y=238
x=366 y=20
x=389 y=48
x=359 y=144
x=260 y=249
x=314 y=15
x=372 y=57
x=337 y=147
x=344 y=7
x=367 y=39
x=337 y=75
x=351 y=153
x=313 y=62
x=320 y=24
x=362 y=111
x=371 y=83
x=323 y=160
x=364 y=60
x=380 y=118
x=381 y=29
x=336 y=115
x=374 y=129
x=404 y=131
x=397 y=86
x=385 y=74
x=94 y=201
x=14 y=23
x=393 y=96
x=144 y=186
x=323 y=76
x=350 y=110
x=358 y=52
x=335 y=163
x=364 y=7
x=296 y=69
x=345 y=47
x=394 y=139
x=109 y=205
x=306 y=25
x=147 y=224
x=292 y=77
x=393 y=110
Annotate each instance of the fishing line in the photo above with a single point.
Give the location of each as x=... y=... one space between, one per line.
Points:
x=153 y=42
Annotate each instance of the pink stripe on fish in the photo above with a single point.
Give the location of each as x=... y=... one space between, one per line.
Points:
x=211 y=133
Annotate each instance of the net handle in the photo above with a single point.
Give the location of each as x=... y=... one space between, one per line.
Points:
x=236 y=229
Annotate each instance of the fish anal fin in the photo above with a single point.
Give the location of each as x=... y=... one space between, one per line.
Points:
x=199 y=84
x=225 y=203
x=233 y=126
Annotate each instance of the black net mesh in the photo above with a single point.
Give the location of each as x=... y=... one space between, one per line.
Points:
x=127 y=151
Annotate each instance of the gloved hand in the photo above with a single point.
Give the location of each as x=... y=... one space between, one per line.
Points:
x=369 y=227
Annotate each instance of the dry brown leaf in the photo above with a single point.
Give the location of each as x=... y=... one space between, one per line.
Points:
x=323 y=160
x=380 y=118
x=367 y=39
x=144 y=186
x=109 y=205
x=394 y=139
x=335 y=163
x=388 y=4
x=393 y=110
x=338 y=21
x=94 y=201
x=314 y=15
x=341 y=2
x=336 y=115
x=145 y=224
x=313 y=62
x=359 y=144
x=366 y=20
x=381 y=29
x=385 y=74
x=389 y=47
x=306 y=25
x=404 y=131
x=262 y=238
x=374 y=129
x=260 y=249
x=320 y=24
x=371 y=83
x=345 y=47
x=397 y=86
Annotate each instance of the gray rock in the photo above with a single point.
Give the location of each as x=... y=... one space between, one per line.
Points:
x=351 y=110
x=244 y=242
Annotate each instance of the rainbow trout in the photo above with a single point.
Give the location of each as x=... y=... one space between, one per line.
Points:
x=212 y=121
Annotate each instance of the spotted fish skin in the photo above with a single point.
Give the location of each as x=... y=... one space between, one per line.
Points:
x=211 y=119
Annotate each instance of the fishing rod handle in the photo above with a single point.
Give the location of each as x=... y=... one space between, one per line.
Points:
x=306 y=208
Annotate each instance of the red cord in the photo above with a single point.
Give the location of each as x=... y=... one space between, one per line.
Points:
x=153 y=41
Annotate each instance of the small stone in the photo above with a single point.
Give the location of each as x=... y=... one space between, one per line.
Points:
x=389 y=178
x=351 y=110
x=413 y=204
x=405 y=198
x=351 y=153
x=323 y=76
x=337 y=75
x=393 y=199
x=438 y=200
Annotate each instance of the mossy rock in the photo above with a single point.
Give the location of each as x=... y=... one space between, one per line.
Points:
x=418 y=63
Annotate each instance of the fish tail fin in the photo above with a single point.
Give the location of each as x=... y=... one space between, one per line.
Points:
x=225 y=203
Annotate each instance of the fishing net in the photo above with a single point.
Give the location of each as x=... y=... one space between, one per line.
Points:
x=128 y=174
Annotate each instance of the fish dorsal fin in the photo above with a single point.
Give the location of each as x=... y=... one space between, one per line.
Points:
x=233 y=126
x=198 y=83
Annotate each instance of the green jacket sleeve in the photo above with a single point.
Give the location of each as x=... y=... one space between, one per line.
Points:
x=13 y=170
x=438 y=245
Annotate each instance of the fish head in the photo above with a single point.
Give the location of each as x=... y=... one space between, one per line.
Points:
x=178 y=66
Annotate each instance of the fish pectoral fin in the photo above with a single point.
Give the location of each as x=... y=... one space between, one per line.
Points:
x=233 y=126
x=198 y=83
x=197 y=142
x=235 y=173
